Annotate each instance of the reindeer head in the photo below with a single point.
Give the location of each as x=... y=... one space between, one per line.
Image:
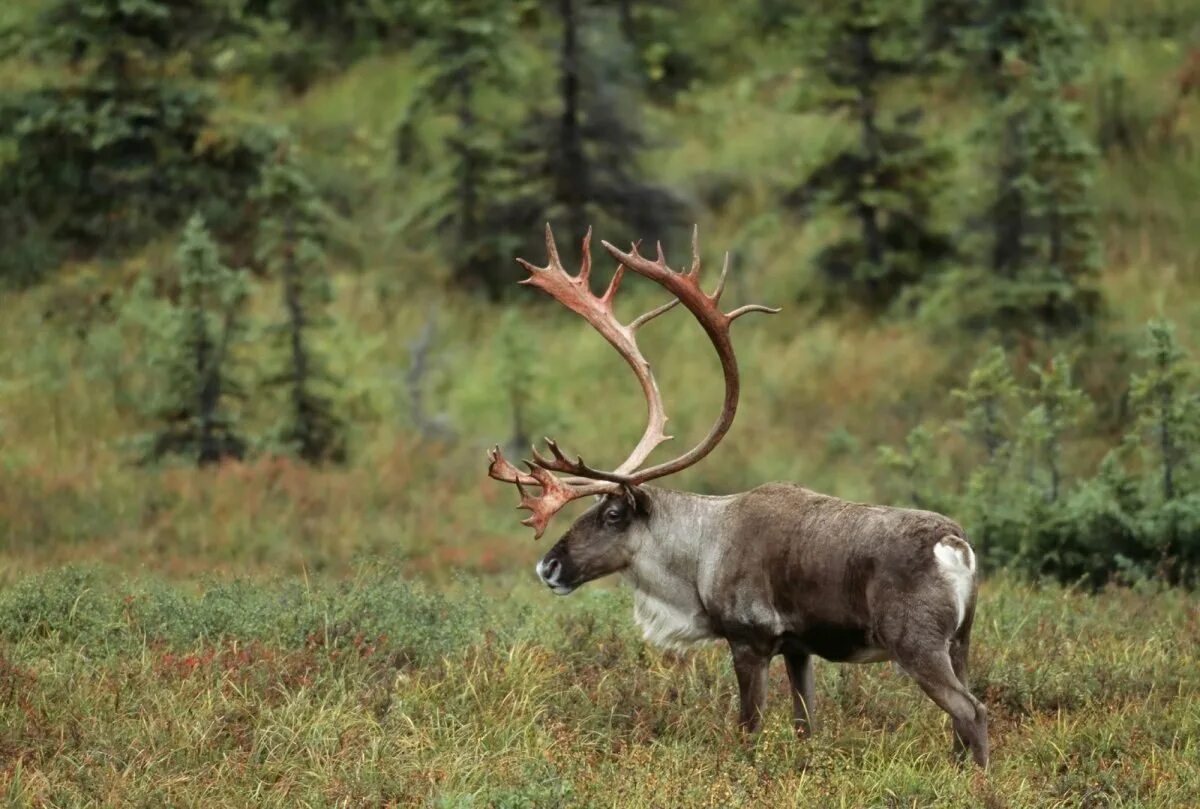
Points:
x=603 y=540
x=600 y=542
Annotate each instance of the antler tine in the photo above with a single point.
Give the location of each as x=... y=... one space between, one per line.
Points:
x=615 y=283
x=695 y=270
x=752 y=307
x=560 y=463
x=543 y=461
x=585 y=257
x=643 y=319
x=554 y=262
x=552 y=258
x=716 y=296
x=500 y=469
x=555 y=494
x=613 y=286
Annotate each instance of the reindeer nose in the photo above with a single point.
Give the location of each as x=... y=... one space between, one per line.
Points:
x=548 y=570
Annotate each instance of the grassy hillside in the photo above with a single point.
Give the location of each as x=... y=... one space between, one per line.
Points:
x=820 y=393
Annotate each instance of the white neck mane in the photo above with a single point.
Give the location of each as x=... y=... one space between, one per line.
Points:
x=671 y=566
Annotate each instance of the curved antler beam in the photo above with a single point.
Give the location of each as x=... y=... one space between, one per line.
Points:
x=686 y=288
x=575 y=293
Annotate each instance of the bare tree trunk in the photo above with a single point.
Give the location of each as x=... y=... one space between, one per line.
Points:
x=868 y=214
x=301 y=412
x=625 y=15
x=573 y=174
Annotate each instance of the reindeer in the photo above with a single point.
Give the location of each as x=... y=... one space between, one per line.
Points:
x=777 y=570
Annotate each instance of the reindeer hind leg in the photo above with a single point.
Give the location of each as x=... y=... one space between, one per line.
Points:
x=960 y=647
x=934 y=673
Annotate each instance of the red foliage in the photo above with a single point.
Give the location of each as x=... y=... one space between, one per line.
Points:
x=254 y=662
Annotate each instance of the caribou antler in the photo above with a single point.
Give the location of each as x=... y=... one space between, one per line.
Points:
x=575 y=293
x=706 y=309
x=556 y=493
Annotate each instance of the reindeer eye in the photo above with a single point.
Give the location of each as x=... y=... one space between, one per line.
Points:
x=612 y=516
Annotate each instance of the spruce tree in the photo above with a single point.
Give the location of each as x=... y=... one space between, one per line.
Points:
x=1166 y=402
x=119 y=145
x=193 y=403
x=464 y=56
x=292 y=233
x=1044 y=249
x=578 y=161
x=656 y=33
x=1058 y=407
x=916 y=470
x=988 y=399
x=885 y=181
x=572 y=157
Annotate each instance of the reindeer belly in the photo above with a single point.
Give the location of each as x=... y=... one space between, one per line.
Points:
x=840 y=644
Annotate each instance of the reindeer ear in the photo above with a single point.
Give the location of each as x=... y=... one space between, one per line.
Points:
x=637 y=498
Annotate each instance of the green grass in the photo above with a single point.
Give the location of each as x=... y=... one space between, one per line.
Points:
x=135 y=691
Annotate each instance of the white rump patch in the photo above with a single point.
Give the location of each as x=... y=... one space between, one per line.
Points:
x=957 y=565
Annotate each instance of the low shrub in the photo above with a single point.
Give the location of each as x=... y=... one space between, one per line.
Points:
x=106 y=613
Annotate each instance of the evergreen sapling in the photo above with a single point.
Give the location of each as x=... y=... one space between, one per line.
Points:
x=193 y=402
x=291 y=239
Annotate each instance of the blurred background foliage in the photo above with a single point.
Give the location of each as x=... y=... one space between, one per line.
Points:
x=259 y=306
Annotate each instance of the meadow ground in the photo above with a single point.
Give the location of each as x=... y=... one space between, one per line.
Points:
x=370 y=690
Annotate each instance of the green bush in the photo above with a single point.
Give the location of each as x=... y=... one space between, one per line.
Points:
x=124 y=144
x=1137 y=517
x=195 y=355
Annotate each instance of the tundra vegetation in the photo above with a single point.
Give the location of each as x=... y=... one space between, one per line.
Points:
x=254 y=345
